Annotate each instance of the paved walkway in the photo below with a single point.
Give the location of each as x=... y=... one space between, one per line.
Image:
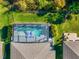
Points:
x=31 y=51
x=1 y=54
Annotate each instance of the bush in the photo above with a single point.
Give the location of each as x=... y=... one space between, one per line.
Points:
x=6 y=34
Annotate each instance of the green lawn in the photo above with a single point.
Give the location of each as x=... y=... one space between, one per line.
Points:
x=3 y=9
x=20 y=17
x=3 y=20
x=0 y=35
x=70 y=25
x=28 y=17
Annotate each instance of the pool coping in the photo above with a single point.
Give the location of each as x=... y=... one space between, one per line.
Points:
x=43 y=23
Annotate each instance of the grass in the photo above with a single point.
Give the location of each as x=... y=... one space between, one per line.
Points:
x=3 y=17
x=3 y=9
x=28 y=17
x=70 y=25
x=0 y=35
x=20 y=17
x=3 y=20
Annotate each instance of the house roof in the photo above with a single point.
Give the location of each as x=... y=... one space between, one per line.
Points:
x=74 y=46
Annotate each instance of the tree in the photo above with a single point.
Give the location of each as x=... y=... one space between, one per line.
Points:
x=24 y=5
x=1 y=1
x=42 y=3
x=21 y=5
x=74 y=7
x=32 y=5
x=59 y=3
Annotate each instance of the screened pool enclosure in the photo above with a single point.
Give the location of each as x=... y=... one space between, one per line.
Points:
x=30 y=33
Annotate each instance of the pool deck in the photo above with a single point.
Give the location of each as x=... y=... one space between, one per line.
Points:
x=43 y=23
x=31 y=51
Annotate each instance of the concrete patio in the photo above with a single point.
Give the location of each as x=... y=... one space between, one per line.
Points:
x=1 y=50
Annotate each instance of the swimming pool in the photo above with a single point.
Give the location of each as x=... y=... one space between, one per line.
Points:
x=30 y=33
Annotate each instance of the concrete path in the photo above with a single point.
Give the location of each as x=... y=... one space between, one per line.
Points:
x=1 y=51
x=31 y=51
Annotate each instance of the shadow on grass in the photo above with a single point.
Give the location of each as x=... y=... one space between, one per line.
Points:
x=6 y=38
x=44 y=10
x=4 y=33
x=59 y=51
x=58 y=20
x=7 y=51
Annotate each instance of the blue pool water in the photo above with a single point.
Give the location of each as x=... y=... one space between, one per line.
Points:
x=33 y=30
x=30 y=32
